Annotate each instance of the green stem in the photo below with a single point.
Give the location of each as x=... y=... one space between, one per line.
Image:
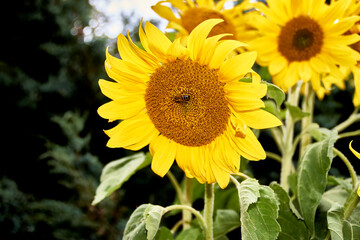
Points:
x=274 y=156
x=352 y=118
x=288 y=135
x=351 y=203
x=208 y=210
x=196 y=213
x=177 y=187
x=188 y=201
x=307 y=106
x=240 y=174
x=349 y=167
x=349 y=134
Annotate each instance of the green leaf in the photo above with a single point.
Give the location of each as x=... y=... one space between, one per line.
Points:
x=249 y=192
x=152 y=215
x=351 y=231
x=144 y=222
x=225 y=221
x=164 y=234
x=335 y=218
x=295 y=112
x=118 y=172
x=291 y=226
x=276 y=93
x=258 y=221
x=190 y=233
x=135 y=227
x=312 y=174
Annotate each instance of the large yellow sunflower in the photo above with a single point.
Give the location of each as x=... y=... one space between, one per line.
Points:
x=301 y=40
x=186 y=102
x=190 y=13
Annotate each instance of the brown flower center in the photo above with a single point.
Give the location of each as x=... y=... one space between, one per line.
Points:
x=300 y=39
x=194 y=16
x=186 y=103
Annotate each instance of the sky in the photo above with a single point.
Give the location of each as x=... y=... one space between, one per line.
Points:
x=98 y=26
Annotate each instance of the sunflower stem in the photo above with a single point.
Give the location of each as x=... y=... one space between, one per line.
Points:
x=187 y=217
x=196 y=213
x=307 y=106
x=352 y=118
x=349 y=166
x=208 y=210
x=288 y=135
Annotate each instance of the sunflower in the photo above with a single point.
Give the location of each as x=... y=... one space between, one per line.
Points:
x=303 y=40
x=186 y=102
x=357 y=154
x=190 y=13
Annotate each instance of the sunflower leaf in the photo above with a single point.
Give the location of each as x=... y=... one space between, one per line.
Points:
x=225 y=221
x=295 y=112
x=248 y=191
x=274 y=92
x=118 y=172
x=164 y=234
x=259 y=210
x=312 y=176
x=135 y=227
x=291 y=226
x=351 y=231
x=190 y=233
x=335 y=218
x=152 y=215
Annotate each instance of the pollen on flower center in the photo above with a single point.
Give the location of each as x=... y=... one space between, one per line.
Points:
x=186 y=103
x=194 y=16
x=300 y=39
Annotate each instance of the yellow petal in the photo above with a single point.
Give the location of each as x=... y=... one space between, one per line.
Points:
x=197 y=37
x=356 y=99
x=357 y=154
x=210 y=46
x=259 y=119
x=157 y=41
x=115 y=90
x=249 y=147
x=222 y=177
x=127 y=53
x=132 y=131
x=164 y=152
x=222 y=50
x=164 y=12
x=304 y=71
x=277 y=65
x=126 y=108
x=236 y=67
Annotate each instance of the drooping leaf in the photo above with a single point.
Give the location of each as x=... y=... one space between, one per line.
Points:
x=118 y=172
x=249 y=192
x=292 y=228
x=258 y=221
x=225 y=221
x=152 y=215
x=164 y=234
x=190 y=233
x=335 y=218
x=276 y=93
x=135 y=227
x=295 y=112
x=312 y=174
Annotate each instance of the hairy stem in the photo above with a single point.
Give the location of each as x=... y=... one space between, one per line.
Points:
x=354 y=117
x=196 y=213
x=208 y=210
x=288 y=135
x=307 y=106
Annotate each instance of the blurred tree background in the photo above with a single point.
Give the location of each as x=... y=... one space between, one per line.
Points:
x=53 y=147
